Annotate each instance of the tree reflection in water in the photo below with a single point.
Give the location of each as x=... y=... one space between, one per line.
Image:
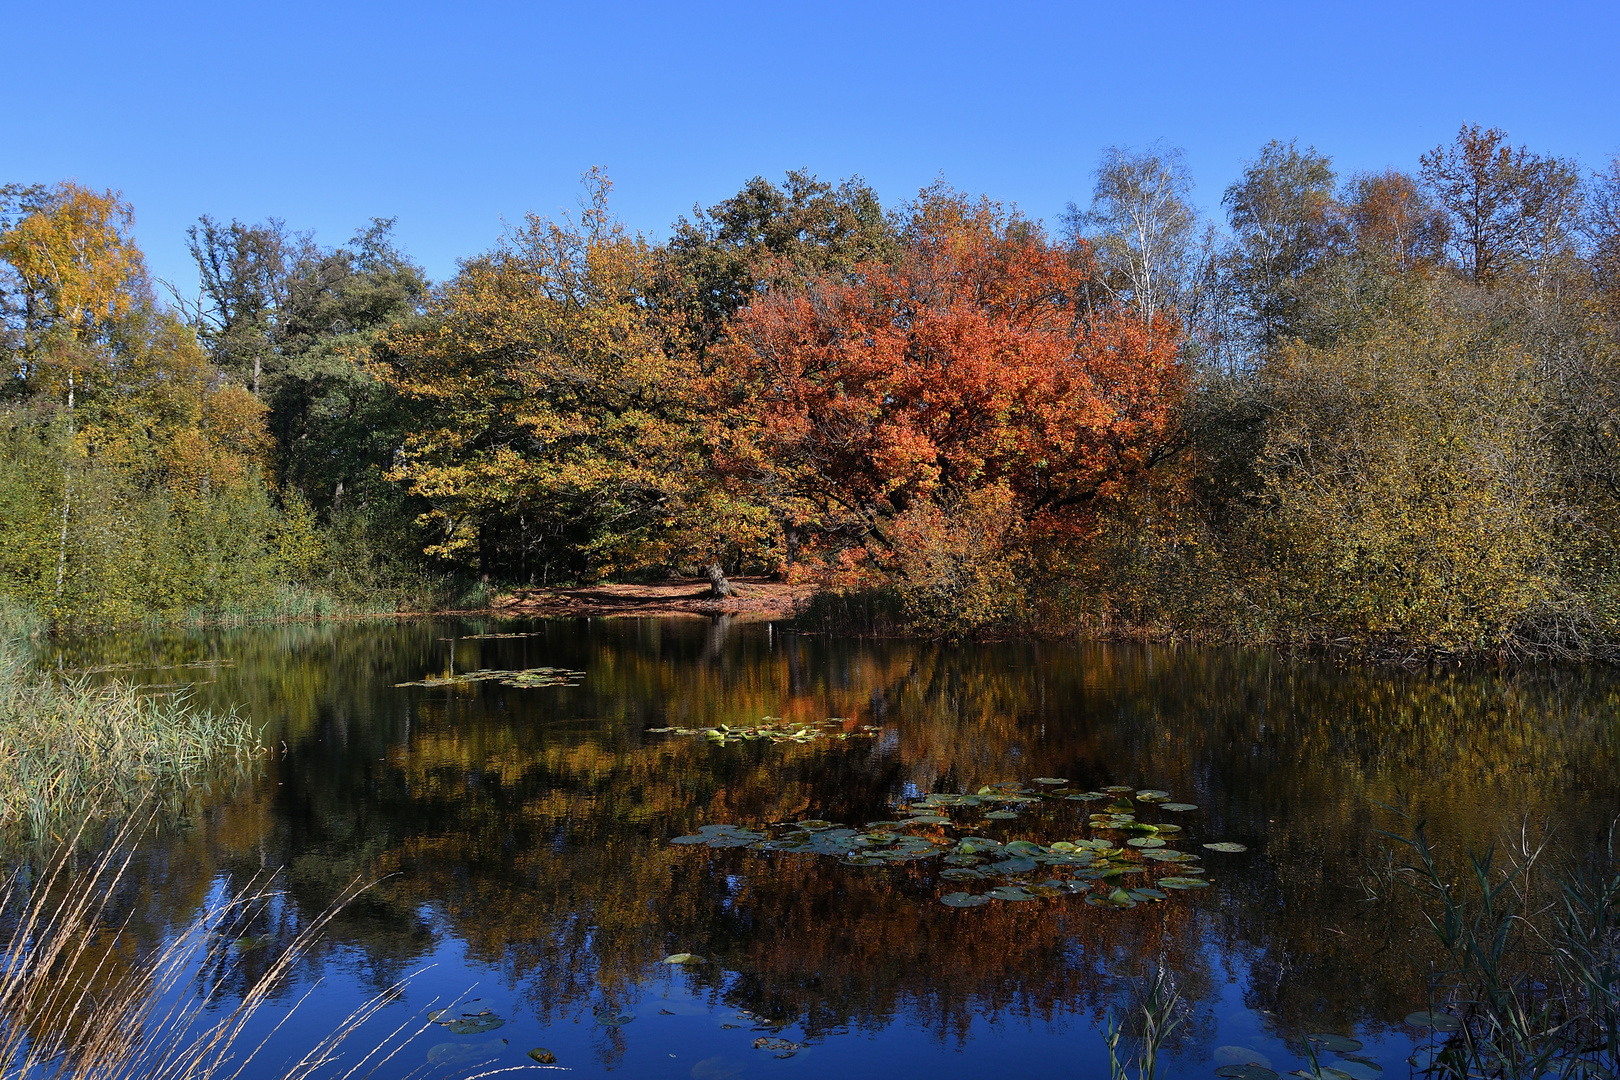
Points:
x=530 y=826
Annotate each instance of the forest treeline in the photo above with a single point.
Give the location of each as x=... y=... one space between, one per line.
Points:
x=1376 y=409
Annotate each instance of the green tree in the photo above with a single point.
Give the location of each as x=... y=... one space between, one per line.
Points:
x=721 y=259
x=1285 y=223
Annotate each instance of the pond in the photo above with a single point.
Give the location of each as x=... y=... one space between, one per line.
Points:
x=551 y=844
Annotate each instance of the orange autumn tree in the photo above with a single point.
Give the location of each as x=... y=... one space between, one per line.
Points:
x=919 y=424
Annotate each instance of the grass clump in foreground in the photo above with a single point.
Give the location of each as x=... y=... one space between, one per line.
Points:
x=69 y=748
x=1532 y=982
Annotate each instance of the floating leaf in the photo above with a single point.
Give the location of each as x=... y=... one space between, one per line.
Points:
x=1245 y=1072
x=611 y=1017
x=1145 y=842
x=1438 y=1021
x=1152 y=795
x=471 y=1023
x=1011 y=892
x=683 y=958
x=1177 y=807
x=1012 y=866
x=543 y=1056
x=1053 y=780
x=962 y=873
x=1148 y=894
x=1117 y=788
x=1359 y=1068
x=929 y=819
x=1337 y=1044
x=1240 y=1055
x=1227 y=846
x=449 y=1053
x=1001 y=815
x=782 y=1048
x=1181 y=883
x=542 y=676
x=962 y=899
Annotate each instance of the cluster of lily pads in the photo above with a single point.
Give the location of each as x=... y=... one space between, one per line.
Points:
x=466 y=1021
x=773 y=729
x=1124 y=862
x=493 y=637
x=1243 y=1063
x=527 y=677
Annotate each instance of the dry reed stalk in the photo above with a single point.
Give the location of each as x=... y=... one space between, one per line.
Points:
x=59 y=1022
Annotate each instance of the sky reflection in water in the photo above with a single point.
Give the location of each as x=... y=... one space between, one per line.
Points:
x=525 y=834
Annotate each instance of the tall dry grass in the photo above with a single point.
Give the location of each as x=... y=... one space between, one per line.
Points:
x=79 y=1000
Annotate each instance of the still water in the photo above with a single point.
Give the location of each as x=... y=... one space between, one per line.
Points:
x=520 y=838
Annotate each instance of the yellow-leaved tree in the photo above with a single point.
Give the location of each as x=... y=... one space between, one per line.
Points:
x=554 y=437
x=129 y=471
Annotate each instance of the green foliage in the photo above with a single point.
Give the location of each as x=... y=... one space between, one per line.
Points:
x=1408 y=490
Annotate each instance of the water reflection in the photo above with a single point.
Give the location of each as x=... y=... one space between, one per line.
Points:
x=525 y=830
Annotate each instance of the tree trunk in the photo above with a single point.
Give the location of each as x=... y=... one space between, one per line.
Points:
x=719 y=587
x=67 y=488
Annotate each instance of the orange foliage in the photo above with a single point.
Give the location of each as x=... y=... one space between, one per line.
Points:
x=968 y=363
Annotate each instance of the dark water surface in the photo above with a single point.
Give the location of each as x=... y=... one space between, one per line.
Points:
x=523 y=838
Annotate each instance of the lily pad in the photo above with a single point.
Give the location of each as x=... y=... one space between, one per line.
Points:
x=1001 y=815
x=1358 y=1068
x=782 y=1048
x=1011 y=892
x=1245 y=1072
x=1052 y=780
x=1145 y=842
x=1181 y=883
x=1438 y=1021
x=1116 y=789
x=1227 y=846
x=611 y=1017
x=469 y=1023
x=683 y=958
x=962 y=899
x=1148 y=894
x=1337 y=1044
x=543 y=1056
x=962 y=873
x=450 y=1053
x=1177 y=807
x=1241 y=1055
x=1012 y=866
x=1152 y=795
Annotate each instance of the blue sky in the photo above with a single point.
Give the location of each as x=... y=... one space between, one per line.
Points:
x=456 y=117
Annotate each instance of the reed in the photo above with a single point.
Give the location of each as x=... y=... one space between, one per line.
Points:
x=70 y=748
x=1532 y=950
x=1155 y=1018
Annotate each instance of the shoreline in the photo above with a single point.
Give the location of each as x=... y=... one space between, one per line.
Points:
x=757 y=599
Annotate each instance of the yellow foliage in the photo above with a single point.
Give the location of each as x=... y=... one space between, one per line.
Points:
x=75 y=257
